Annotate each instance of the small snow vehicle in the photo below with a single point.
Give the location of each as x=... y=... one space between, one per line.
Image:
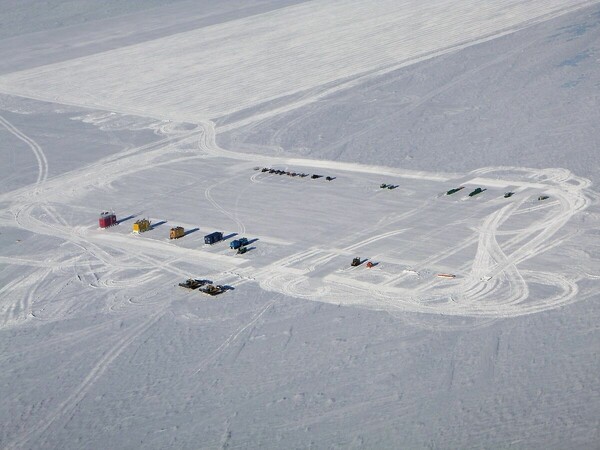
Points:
x=355 y=262
x=508 y=194
x=455 y=190
x=475 y=192
x=237 y=243
x=211 y=289
x=192 y=283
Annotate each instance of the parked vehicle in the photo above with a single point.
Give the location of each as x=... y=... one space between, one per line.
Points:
x=142 y=225
x=213 y=237
x=455 y=190
x=355 y=262
x=192 y=283
x=176 y=232
x=476 y=191
x=237 y=243
x=107 y=219
x=212 y=289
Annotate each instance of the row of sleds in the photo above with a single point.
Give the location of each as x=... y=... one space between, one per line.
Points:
x=314 y=176
x=205 y=286
x=479 y=190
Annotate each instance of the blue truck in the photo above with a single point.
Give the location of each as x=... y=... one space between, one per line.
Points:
x=237 y=243
x=213 y=237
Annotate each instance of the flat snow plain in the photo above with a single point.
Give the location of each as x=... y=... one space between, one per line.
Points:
x=103 y=349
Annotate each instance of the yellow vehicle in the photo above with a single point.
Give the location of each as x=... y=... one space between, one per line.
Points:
x=176 y=233
x=141 y=225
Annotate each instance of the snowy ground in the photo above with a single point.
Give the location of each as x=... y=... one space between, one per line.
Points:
x=102 y=349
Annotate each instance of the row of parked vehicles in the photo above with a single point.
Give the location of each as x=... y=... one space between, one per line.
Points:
x=204 y=286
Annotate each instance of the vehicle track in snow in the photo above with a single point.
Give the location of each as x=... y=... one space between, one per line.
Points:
x=39 y=154
x=493 y=274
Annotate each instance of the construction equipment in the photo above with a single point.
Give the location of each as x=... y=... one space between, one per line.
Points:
x=107 y=219
x=242 y=250
x=355 y=262
x=237 y=243
x=141 y=225
x=176 y=233
x=192 y=283
x=212 y=289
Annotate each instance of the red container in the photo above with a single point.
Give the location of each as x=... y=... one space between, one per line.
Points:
x=107 y=219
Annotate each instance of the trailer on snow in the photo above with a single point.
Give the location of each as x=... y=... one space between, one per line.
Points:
x=107 y=219
x=213 y=237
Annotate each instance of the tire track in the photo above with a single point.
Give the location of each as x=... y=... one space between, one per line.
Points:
x=35 y=148
x=227 y=342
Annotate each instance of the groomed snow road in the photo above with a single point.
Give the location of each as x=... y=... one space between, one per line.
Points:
x=221 y=69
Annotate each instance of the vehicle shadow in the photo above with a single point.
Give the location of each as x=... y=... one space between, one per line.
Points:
x=158 y=224
x=125 y=219
x=193 y=230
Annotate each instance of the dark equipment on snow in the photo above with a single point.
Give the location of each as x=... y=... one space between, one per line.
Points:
x=476 y=191
x=237 y=243
x=213 y=237
x=454 y=191
x=355 y=262
x=191 y=283
x=212 y=289
x=508 y=194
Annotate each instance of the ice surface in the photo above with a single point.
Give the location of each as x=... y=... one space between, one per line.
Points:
x=101 y=349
